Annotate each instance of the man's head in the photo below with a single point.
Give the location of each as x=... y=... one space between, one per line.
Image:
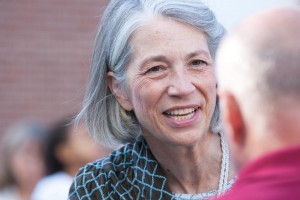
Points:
x=258 y=68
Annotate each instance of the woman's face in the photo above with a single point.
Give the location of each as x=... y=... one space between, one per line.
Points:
x=171 y=82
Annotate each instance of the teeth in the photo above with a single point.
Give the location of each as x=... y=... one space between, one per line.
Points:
x=180 y=118
x=185 y=111
x=182 y=114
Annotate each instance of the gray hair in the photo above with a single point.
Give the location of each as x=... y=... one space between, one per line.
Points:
x=106 y=120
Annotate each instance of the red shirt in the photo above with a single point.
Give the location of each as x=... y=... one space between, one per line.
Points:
x=275 y=176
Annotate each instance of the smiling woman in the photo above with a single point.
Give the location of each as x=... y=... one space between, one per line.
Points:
x=170 y=81
x=153 y=89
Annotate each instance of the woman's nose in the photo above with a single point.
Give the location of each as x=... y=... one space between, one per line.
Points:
x=181 y=84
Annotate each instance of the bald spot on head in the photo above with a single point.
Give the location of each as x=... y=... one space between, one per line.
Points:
x=263 y=55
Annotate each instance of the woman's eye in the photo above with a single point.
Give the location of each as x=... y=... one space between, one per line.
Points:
x=154 y=69
x=198 y=62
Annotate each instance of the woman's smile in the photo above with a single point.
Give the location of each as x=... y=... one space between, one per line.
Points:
x=182 y=117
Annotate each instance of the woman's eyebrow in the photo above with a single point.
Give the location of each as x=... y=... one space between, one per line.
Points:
x=198 y=52
x=155 y=58
x=163 y=58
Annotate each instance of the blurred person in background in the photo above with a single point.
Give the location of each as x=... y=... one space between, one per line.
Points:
x=21 y=160
x=67 y=148
x=258 y=67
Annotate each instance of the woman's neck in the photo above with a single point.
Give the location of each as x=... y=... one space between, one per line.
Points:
x=187 y=167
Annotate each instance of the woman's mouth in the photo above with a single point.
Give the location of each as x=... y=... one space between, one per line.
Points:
x=181 y=114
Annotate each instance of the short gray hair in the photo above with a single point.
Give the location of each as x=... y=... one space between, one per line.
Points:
x=106 y=120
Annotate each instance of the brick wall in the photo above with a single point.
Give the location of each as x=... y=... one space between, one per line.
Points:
x=45 y=51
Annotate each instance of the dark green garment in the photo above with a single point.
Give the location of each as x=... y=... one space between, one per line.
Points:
x=131 y=172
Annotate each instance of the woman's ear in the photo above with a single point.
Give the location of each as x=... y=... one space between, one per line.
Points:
x=119 y=92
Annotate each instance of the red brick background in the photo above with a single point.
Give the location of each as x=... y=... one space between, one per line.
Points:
x=45 y=51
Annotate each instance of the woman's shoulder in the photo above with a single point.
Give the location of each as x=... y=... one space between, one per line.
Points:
x=127 y=172
x=101 y=171
x=97 y=179
x=118 y=160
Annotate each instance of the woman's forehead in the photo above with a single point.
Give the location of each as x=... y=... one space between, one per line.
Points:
x=161 y=35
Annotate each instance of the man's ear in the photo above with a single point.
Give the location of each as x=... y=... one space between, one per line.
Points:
x=233 y=120
x=120 y=93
